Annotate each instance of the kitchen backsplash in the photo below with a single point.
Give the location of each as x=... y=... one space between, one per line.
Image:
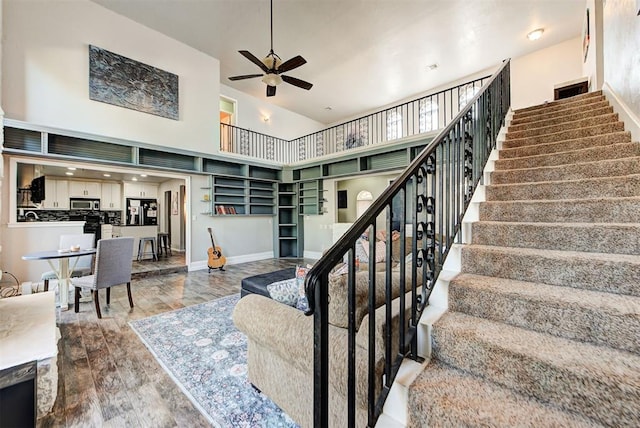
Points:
x=115 y=217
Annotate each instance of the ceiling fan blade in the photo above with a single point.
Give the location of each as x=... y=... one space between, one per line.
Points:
x=271 y=91
x=251 y=57
x=245 y=76
x=294 y=62
x=297 y=82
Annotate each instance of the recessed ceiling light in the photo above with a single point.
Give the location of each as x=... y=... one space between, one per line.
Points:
x=69 y=173
x=106 y=175
x=143 y=175
x=134 y=179
x=535 y=34
x=70 y=168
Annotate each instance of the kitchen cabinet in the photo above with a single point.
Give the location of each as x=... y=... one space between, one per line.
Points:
x=84 y=189
x=106 y=231
x=56 y=194
x=111 y=197
x=141 y=190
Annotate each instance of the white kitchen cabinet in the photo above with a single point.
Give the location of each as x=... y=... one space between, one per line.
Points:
x=84 y=189
x=56 y=193
x=141 y=190
x=106 y=231
x=111 y=197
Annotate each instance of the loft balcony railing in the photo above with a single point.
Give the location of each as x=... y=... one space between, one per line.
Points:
x=425 y=204
x=426 y=114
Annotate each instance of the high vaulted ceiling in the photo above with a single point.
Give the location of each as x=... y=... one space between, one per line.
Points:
x=361 y=54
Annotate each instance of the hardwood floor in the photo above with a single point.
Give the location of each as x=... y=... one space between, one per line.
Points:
x=107 y=377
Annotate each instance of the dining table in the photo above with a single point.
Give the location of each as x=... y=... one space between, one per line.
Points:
x=63 y=270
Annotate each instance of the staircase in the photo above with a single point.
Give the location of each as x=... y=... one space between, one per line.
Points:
x=543 y=327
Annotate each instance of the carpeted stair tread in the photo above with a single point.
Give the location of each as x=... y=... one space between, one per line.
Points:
x=569 y=134
x=565 y=126
x=556 y=119
x=615 y=273
x=560 y=110
x=595 y=105
x=625 y=186
x=564 y=103
x=566 y=145
x=611 y=151
x=613 y=238
x=546 y=311
x=444 y=396
x=598 y=210
x=596 y=381
x=577 y=171
x=605 y=319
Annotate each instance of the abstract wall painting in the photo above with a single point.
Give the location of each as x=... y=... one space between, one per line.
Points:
x=123 y=82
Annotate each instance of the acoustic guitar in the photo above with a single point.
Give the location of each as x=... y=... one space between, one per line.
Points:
x=216 y=259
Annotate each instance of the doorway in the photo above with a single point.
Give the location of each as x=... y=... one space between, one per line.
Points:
x=227 y=119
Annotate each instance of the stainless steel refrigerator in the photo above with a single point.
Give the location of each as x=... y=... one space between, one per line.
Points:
x=142 y=212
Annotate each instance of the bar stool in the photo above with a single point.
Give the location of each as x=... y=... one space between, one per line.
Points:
x=164 y=241
x=142 y=245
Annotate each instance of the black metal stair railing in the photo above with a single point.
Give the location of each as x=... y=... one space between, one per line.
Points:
x=419 y=116
x=425 y=204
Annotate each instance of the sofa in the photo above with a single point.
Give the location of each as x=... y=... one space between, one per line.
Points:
x=280 y=345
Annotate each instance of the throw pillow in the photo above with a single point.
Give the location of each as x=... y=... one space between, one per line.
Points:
x=381 y=251
x=362 y=251
x=301 y=274
x=284 y=291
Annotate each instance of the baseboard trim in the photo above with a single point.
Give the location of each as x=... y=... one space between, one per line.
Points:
x=630 y=119
x=202 y=264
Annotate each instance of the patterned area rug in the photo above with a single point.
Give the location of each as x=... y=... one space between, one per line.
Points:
x=207 y=357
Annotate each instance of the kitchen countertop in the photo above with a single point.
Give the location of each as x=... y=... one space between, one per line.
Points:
x=46 y=224
x=134 y=225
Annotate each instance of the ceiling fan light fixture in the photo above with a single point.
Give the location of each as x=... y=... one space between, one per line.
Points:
x=272 y=79
x=272 y=61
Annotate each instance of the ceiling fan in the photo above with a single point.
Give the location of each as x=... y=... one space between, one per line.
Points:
x=273 y=68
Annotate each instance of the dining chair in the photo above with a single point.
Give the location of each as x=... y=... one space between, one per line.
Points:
x=112 y=267
x=83 y=265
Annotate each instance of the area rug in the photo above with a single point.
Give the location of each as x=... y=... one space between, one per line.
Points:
x=206 y=356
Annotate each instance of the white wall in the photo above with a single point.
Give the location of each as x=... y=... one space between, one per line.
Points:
x=533 y=76
x=282 y=123
x=593 y=63
x=376 y=184
x=318 y=229
x=45 y=74
x=622 y=51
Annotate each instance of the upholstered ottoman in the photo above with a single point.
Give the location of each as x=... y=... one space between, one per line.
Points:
x=257 y=284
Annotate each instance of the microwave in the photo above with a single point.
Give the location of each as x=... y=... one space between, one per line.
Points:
x=84 y=204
